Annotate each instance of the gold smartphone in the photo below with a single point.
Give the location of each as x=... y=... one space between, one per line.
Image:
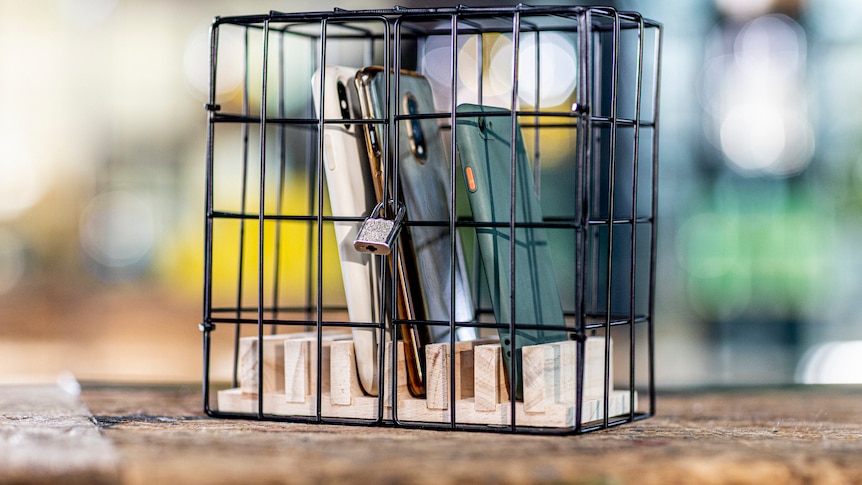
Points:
x=423 y=265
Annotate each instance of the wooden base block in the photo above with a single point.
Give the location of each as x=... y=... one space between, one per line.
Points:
x=555 y=415
x=344 y=380
x=274 y=359
x=416 y=410
x=233 y=401
x=551 y=372
x=491 y=390
x=481 y=394
x=437 y=357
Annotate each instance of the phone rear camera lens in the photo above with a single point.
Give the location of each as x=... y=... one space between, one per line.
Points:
x=417 y=137
x=342 y=102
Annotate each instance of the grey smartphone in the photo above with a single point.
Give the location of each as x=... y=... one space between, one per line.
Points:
x=424 y=177
x=485 y=147
x=351 y=194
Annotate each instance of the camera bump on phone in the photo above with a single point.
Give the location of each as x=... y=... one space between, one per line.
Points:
x=414 y=128
x=343 y=104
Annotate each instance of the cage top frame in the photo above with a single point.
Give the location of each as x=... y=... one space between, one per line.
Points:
x=604 y=16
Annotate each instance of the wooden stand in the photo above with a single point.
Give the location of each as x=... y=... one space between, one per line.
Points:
x=481 y=393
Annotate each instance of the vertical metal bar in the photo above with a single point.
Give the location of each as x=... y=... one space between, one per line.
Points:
x=516 y=40
x=382 y=276
x=243 y=196
x=319 y=211
x=393 y=128
x=615 y=67
x=537 y=158
x=261 y=216
x=206 y=369
x=206 y=322
x=480 y=66
x=388 y=54
x=393 y=92
x=281 y=143
x=480 y=69
x=654 y=215
x=390 y=182
x=453 y=266
x=634 y=219
x=594 y=188
x=313 y=152
x=582 y=200
x=311 y=172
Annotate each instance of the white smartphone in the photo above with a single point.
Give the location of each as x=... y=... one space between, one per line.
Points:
x=351 y=194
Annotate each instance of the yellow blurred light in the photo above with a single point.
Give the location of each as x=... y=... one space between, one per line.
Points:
x=183 y=265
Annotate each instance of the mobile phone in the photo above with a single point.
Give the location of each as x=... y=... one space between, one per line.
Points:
x=424 y=177
x=351 y=194
x=485 y=148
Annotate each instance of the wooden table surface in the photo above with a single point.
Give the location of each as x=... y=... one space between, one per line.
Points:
x=158 y=434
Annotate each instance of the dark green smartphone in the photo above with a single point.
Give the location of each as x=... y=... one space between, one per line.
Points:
x=484 y=144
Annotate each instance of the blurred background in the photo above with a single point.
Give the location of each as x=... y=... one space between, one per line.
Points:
x=102 y=152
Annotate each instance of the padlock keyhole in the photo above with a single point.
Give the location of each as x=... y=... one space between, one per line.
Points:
x=371 y=249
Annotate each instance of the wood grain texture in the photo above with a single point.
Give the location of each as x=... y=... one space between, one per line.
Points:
x=437 y=376
x=297 y=370
x=344 y=377
x=272 y=368
x=791 y=435
x=490 y=388
x=274 y=360
x=594 y=366
x=551 y=370
x=438 y=373
x=300 y=370
x=401 y=375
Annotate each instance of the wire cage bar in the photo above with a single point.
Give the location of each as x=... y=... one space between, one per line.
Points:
x=521 y=146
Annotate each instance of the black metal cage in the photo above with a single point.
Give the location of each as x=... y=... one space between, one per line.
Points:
x=583 y=85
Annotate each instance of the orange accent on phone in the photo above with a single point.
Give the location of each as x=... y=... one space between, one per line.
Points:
x=471 y=182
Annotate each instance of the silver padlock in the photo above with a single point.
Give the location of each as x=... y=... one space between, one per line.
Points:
x=377 y=234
